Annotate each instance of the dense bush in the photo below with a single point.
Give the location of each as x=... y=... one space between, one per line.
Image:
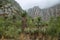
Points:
x=54 y=27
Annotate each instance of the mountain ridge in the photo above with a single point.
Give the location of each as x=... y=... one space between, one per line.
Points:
x=46 y=13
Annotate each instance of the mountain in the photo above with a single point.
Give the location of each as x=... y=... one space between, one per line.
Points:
x=46 y=13
x=10 y=7
x=34 y=12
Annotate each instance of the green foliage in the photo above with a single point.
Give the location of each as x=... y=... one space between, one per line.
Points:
x=31 y=30
x=24 y=14
x=30 y=22
x=54 y=27
x=38 y=22
x=9 y=28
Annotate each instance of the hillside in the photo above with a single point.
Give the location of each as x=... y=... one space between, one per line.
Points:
x=10 y=7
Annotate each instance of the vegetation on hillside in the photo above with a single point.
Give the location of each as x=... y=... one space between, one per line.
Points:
x=20 y=23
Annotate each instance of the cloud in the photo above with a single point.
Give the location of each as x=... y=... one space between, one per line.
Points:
x=26 y=4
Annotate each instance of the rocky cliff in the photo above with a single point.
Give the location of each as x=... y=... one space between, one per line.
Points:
x=10 y=7
x=46 y=13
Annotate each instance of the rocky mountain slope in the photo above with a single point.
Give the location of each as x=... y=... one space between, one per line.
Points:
x=10 y=7
x=46 y=13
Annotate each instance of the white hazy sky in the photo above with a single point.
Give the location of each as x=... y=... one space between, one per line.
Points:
x=26 y=4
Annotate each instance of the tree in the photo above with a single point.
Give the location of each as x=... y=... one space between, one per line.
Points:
x=24 y=20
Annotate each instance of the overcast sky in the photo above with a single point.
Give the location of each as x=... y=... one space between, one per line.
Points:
x=26 y=4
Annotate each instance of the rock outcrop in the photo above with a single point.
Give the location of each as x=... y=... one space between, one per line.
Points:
x=10 y=7
x=46 y=13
